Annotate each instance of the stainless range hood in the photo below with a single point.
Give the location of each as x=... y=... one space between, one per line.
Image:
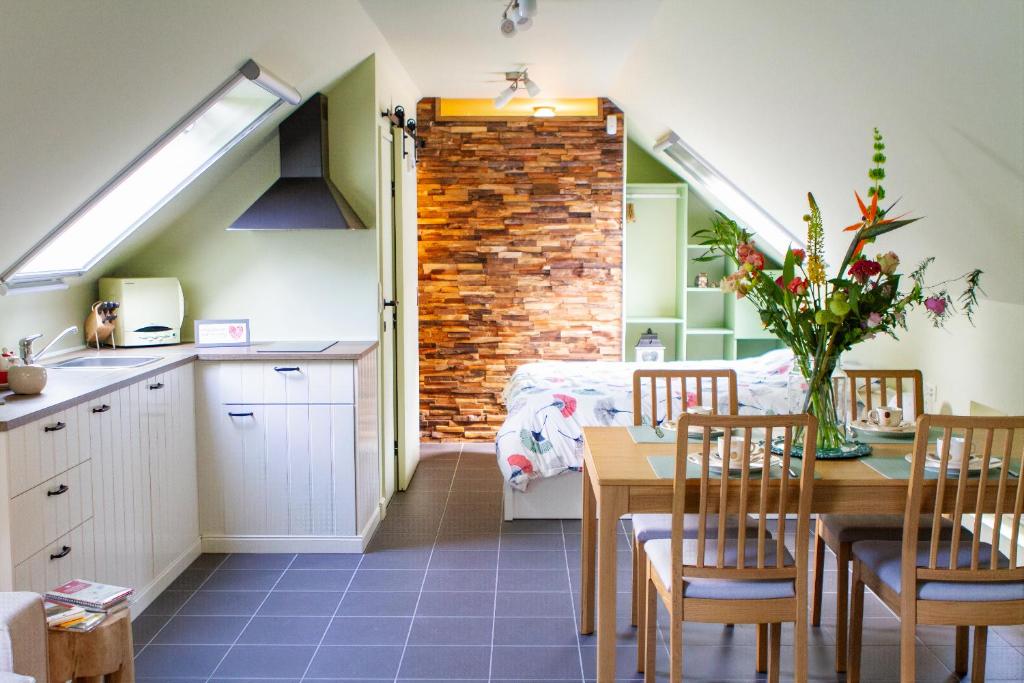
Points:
x=303 y=198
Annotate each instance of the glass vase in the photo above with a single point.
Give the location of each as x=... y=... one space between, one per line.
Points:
x=824 y=395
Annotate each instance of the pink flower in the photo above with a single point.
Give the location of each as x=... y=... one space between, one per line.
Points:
x=798 y=255
x=935 y=304
x=744 y=249
x=755 y=259
x=863 y=270
x=874 y=320
x=798 y=286
x=691 y=399
x=889 y=262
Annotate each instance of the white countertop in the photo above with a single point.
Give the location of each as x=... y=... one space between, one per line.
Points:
x=68 y=387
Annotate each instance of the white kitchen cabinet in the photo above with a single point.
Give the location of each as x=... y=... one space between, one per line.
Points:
x=104 y=490
x=288 y=455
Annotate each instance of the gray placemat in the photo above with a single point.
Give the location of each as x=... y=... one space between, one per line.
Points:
x=648 y=434
x=873 y=437
x=664 y=467
x=899 y=468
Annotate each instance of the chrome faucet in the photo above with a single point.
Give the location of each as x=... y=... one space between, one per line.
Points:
x=25 y=345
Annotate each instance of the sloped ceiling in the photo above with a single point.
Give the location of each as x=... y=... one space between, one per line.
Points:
x=85 y=87
x=782 y=97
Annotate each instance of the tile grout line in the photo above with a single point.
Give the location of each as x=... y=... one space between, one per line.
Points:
x=253 y=616
x=494 y=613
x=182 y=605
x=330 y=622
x=572 y=601
x=430 y=558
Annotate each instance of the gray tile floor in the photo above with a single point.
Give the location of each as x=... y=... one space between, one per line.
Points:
x=448 y=591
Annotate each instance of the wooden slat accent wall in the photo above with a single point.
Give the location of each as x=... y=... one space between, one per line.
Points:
x=520 y=258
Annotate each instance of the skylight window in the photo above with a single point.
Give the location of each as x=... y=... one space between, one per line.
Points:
x=154 y=178
x=708 y=180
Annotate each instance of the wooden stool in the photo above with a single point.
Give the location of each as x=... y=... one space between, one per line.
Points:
x=88 y=657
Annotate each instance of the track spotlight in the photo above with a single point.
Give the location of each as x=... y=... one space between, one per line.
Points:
x=508 y=27
x=516 y=78
x=505 y=97
x=532 y=88
x=518 y=16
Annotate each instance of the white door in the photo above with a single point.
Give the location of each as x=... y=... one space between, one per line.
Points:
x=388 y=319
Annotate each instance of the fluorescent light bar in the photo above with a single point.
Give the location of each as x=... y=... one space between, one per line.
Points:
x=706 y=179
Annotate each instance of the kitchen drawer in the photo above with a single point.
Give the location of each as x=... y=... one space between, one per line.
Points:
x=44 y=448
x=72 y=556
x=50 y=510
x=290 y=382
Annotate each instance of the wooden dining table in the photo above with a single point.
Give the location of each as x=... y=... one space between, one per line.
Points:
x=618 y=480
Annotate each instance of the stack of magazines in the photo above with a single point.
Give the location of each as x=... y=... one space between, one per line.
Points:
x=81 y=605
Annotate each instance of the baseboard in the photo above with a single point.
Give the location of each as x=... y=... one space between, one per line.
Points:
x=292 y=544
x=147 y=595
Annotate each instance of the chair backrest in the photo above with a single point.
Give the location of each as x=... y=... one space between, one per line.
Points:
x=686 y=379
x=897 y=377
x=958 y=493
x=738 y=498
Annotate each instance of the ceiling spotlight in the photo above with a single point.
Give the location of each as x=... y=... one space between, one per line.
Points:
x=544 y=112
x=505 y=96
x=532 y=88
x=515 y=79
x=508 y=27
x=518 y=16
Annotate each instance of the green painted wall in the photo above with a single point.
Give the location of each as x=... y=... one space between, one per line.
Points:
x=302 y=284
x=643 y=167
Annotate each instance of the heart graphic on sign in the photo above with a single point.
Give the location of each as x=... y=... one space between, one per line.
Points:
x=236 y=331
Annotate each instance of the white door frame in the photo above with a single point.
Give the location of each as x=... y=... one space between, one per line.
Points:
x=388 y=291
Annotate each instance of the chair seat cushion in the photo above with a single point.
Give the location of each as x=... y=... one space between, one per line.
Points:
x=659 y=552
x=883 y=558
x=853 y=528
x=650 y=527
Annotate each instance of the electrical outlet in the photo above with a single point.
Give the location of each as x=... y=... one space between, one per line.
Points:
x=931 y=397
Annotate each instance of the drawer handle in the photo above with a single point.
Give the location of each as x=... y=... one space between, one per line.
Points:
x=239 y=414
x=158 y=385
x=64 y=552
x=102 y=409
x=54 y=428
x=286 y=369
x=63 y=488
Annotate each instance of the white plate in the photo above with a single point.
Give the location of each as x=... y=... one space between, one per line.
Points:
x=901 y=429
x=715 y=462
x=931 y=462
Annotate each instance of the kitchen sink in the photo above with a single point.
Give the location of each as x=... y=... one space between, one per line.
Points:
x=111 y=362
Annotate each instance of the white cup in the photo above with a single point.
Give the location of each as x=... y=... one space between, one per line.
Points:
x=886 y=417
x=736 y=446
x=957 y=449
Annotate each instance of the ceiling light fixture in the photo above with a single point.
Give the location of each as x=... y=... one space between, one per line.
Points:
x=518 y=16
x=516 y=78
x=544 y=112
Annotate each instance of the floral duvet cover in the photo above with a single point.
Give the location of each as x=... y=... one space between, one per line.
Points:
x=548 y=404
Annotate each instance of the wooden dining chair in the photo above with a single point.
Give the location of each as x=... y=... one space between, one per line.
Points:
x=652 y=526
x=735 y=575
x=958 y=581
x=840 y=532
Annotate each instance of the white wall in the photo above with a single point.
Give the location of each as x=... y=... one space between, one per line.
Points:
x=782 y=98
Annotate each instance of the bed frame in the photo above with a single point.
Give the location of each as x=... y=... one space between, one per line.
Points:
x=559 y=497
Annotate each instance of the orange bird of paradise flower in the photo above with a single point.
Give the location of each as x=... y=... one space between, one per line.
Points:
x=869 y=215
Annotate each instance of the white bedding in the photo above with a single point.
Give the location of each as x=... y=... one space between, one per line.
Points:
x=549 y=403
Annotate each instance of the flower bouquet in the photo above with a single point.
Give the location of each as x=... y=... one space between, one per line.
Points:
x=820 y=317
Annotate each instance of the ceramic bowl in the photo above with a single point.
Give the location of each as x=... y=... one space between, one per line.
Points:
x=27 y=379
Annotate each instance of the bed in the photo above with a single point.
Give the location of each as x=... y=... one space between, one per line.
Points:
x=540 y=445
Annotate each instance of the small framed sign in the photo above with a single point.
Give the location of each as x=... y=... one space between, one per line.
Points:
x=222 y=332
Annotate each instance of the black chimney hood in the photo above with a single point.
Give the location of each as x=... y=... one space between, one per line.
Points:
x=303 y=198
